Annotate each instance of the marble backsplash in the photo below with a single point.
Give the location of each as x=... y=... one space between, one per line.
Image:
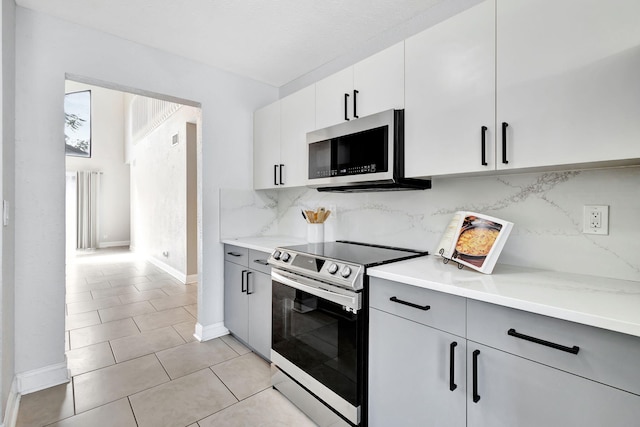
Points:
x=546 y=209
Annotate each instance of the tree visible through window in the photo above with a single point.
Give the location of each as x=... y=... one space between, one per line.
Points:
x=77 y=123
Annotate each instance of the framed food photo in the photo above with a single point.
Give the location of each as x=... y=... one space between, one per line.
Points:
x=474 y=240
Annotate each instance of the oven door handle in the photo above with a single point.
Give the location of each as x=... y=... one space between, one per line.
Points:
x=350 y=301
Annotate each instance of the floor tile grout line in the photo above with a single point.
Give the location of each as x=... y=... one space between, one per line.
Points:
x=132 y=411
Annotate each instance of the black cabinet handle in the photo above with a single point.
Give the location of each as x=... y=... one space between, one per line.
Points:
x=573 y=350
x=452 y=361
x=248 y=274
x=476 y=396
x=236 y=254
x=355 y=95
x=346 y=103
x=504 y=142
x=261 y=261
x=281 y=168
x=275 y=174
x=410 y=304
x=484 y=146
x=242 y=287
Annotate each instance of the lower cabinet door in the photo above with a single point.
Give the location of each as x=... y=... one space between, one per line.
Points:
x=260 y=313
x=506 y=391
x=411 y=376
x=235 y=300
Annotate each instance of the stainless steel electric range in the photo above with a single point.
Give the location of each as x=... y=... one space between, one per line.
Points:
x=319 y=345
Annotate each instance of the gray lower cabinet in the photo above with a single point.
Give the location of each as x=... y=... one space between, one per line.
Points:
x=259 y=316
x=236 y=303
x=512 y=368
x=410 y=375
x=513 y=391
x=247 y=297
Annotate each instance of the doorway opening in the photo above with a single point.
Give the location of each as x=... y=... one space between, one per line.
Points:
x=131 y=188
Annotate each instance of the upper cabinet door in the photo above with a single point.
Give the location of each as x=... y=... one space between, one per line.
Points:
x=334 y=99
x=450 y=95
x=266 y=147
x=298 y=114
x=378 y=82
x=568 y=86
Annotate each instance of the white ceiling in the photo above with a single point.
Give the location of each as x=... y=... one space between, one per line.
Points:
x=272 y=41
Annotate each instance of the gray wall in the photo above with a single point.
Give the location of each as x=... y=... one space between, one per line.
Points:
x=43 y=59
x=7 y=312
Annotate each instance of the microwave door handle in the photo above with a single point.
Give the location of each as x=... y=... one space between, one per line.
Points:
x=352 y=302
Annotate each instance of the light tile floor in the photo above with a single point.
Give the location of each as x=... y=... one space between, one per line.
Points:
x=134 y=360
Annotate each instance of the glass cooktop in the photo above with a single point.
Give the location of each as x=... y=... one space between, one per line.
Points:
x=365 y=254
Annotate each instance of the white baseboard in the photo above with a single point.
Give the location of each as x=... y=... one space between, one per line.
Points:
x=167 y=268
x=209 y=332
x=103 y=245
x=13 y=404
x=39 y=379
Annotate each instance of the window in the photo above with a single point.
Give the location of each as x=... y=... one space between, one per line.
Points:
x=77 y=123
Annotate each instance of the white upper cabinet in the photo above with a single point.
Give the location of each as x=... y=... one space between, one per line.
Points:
x=379 y=81
x=372 y=85
x=266 y=146
x=298 y=116
x=280 y=141
x=450 y=95
x=562 y=82
x=568 y=82
x=334 y=99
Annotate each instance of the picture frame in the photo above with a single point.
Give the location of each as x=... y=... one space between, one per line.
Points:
x=77 y=123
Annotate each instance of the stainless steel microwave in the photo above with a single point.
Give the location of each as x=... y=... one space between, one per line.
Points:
x=366 y=154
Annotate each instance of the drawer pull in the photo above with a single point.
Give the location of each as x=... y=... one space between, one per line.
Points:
x=410 y=304
x=261 y=261
x=452 y=353
x=573 y=350
x=476 y=396
x=236 y=254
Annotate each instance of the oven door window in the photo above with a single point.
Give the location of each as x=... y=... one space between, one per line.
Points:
x=319 y=337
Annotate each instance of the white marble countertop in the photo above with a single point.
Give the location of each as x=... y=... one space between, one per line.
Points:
x=596 y=301
x=264 y=243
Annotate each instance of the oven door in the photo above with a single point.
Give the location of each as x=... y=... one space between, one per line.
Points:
x=318 y=340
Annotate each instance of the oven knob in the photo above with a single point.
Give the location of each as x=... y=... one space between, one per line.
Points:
x=285 y=257
x=276 y=255
x=346 y=271
x=333 y=268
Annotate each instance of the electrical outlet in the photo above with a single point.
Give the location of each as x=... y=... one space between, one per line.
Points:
x=596 y=219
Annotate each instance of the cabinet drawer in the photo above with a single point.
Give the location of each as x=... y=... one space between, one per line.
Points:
x=236 y=254
x=604 y=356
x=258 y=261
x=444 y=312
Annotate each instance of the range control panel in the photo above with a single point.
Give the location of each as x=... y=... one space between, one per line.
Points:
x=325 y=269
